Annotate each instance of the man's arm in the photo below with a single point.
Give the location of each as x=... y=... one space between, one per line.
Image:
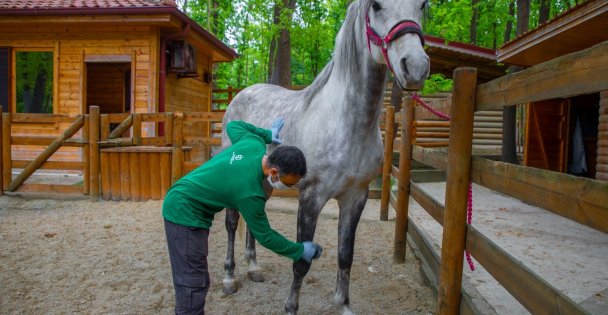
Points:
x=252 y=210
x=237 y=129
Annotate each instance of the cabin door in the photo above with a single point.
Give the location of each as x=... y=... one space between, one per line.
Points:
x=108 y=85
x=546 y=144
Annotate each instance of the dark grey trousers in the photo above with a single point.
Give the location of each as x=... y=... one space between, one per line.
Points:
x=188 y=254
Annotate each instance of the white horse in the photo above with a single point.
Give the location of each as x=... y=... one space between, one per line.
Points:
x=335 y=122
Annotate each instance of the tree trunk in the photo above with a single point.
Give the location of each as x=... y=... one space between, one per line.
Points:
x=509 y=27
x=281 y=70
x=509 y=149
x=474 y=18
x=545 y=10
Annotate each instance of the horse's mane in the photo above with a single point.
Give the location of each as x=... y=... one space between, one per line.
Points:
x=345 y=58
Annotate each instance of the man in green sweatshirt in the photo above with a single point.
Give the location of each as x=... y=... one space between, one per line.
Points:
x=233 y=178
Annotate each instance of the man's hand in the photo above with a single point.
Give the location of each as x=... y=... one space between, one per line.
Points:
x=311 y=251
x=277 y=125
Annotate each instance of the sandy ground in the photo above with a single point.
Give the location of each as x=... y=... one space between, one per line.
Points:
x=78 y=257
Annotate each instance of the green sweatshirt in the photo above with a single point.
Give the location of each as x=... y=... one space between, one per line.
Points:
x=231 y=179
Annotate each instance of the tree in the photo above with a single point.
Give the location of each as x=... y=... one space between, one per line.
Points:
x=280 y=47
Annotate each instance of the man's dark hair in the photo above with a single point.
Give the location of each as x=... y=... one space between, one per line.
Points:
x=289 y=160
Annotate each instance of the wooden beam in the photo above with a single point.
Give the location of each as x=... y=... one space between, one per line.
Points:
x=583 y=72
x=457 y=184
x=580 y=199
x=94 y=134
x=7 y=172
x=437 y=158
x=122 y=128
x=387 y=164
x=403 y=187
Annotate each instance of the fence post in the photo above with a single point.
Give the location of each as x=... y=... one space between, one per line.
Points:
x=178 y=153
x=388 y=162
x=403 y=191
x=1 y=164
x=137 y=128
x=94 y=120
x=7 y=163
x=169 y=129
x=86 y=157
x=457 y=183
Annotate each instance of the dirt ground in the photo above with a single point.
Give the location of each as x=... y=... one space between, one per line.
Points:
x=79 y=257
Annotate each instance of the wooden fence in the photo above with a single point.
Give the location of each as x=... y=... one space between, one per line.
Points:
x=579 y=199
x=116 y=161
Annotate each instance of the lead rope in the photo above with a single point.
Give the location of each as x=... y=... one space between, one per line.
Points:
x=443 y=116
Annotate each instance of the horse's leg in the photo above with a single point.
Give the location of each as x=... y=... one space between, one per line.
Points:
x=308 y=212
x=232 y=221
x=253 y=271
x=351 y=207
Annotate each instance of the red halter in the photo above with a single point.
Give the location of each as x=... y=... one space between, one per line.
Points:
x=400 y=29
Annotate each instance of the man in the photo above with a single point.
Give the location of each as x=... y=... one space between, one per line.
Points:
x=233 y=178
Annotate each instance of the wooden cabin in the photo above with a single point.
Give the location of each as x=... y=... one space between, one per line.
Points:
x=567 y=135
x=125 y=56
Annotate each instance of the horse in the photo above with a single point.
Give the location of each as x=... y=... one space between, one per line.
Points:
x=335 y=122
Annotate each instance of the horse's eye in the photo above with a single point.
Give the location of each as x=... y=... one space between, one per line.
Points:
x=376 y=6
x=424 y=4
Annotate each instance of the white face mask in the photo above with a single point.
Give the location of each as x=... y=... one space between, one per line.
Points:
x=278 y=184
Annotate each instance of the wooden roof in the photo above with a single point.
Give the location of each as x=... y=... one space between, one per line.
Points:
x=447 y=56
x=162 y=13
x=576 y=29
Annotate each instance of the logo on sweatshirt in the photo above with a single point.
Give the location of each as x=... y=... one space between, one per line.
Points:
x=236 y=157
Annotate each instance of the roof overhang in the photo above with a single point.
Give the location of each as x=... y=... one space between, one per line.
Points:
x=582 y=27
x=168 y=18
x=447 y=56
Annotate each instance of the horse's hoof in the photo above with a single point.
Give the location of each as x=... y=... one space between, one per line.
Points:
x=229 y=287
x=256 y=276
x=346 y=310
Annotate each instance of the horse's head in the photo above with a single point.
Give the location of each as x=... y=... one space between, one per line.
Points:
x=395 y=38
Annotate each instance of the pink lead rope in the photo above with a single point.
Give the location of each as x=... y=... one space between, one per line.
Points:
x=443 y=116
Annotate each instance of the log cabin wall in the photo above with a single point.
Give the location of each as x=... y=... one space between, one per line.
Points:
x=73 y=46
x=192 y=94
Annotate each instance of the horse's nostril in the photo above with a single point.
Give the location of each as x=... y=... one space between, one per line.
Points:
x=406 y=72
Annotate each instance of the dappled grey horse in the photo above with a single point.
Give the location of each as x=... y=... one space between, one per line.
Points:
x=335 y=122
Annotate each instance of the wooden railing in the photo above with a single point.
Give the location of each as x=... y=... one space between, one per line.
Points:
x=579 y=199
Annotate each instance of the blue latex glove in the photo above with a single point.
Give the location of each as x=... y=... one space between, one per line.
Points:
x=311 y=251
x=277 y=125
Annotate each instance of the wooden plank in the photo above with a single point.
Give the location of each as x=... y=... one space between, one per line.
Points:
x=86 y=158
x=7 y=172
x=106 y=178
x=152 y=117
x=45 y=141
x=203 y=116
x=155 y=176
x=94 y=152
x=457 y=183
x=52 y=148
x=134 y=172
x=51 y=165
x=144 y=176
x=125 y=177
x=203 y=141
x=42 y=118
x=403 y=189
x=177 y=157
x=122 y=128
x=580 y=199
x=115 y=193
x=430 y=204
x=165 y=173
x=431 y=123
x=436 y=158
x=531 y=290
x=137 y=120
x=582 y=72
x=51 y=188
x=169 y=129
x=104 y=127
x=387 y=164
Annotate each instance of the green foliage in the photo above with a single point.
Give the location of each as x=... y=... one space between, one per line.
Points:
x=34 y=82
x=247 y=26
x=437 y=83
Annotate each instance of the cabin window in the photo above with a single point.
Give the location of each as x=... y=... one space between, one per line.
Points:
x=34 y=82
